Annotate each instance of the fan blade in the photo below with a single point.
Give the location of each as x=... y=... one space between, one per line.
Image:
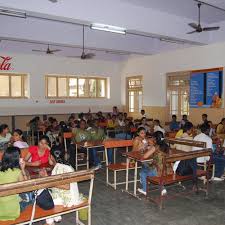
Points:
x=192 y=32
x=71 y=56
x=210 y=28
x=193 y=25
x=89 y=55
x=55 y=50
x=36 y=50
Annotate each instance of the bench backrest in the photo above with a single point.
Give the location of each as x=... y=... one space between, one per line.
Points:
x=180 y=141
x=45 y=182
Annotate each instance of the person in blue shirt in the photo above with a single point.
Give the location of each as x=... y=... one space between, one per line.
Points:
x=174 y=125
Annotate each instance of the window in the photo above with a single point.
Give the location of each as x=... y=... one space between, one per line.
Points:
x=178 y=85
x=75 y=87
x=135 y=93
x=13 y=85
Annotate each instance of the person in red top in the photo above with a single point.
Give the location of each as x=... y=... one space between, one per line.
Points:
x=39 y=155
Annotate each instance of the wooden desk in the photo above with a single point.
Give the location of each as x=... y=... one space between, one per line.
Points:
x=181 y=141
x=173 y=156
x=88 y=145
x=137 y=157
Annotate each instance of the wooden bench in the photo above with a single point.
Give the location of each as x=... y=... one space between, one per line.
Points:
x=199 y=144
x=164 y=179
x=48 y=182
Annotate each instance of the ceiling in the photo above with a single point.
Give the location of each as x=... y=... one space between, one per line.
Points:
x=185 y=8
x=153 y=26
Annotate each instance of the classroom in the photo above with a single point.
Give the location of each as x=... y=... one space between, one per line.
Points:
x=112 y=112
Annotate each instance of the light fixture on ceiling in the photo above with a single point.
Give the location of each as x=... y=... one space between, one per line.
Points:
x=11 y=12
x=171 y=41
x=108 y=28
x=53 y=1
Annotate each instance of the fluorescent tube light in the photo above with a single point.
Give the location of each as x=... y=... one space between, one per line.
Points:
x=10 y=12
x=171 y=41
x=109 y=28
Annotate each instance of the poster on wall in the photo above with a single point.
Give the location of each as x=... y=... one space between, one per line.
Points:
x=206 y=89
x=197 y=90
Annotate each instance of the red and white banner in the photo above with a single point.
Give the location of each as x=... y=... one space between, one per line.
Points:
x=5 y=63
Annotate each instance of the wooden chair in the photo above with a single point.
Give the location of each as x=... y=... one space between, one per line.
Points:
x=48 y=182
x=116 y=167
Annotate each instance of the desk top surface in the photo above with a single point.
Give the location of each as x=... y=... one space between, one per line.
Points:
x=173 y=155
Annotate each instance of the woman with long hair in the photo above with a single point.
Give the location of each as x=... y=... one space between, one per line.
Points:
x=12 y=170
x=156 y=151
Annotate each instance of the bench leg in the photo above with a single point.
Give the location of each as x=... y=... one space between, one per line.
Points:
x=89 y=215
x=107 y=175
x=78 y=222
x=115 y=180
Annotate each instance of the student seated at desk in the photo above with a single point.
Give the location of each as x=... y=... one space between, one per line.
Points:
x=97 y=134
x=220 y=130
x=18 y=139
x=187 y=167
x=39 y=155
x=156 y=151
x=81 y=134
x=158 y=127
x=12 y=170
x=174 y=125
x=218 y=157
x=145 y=125
x=5 y=136
x=140 y=142
x=212 y=131
x=183 y=121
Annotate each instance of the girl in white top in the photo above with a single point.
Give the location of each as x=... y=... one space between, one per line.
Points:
x=18 y=140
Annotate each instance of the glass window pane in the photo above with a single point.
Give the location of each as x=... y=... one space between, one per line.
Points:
x=62 y=86
x=101 y=88
x=4 y=86
x=92 y=87
x=16 y=86
x=25 y=80
x=83 y=87
x=52 y=87
x=73 y=87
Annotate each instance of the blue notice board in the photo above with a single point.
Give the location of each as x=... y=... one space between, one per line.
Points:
x=197 y=90
x=206 y=89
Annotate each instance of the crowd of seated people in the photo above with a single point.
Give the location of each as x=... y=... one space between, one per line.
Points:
x=148 y=136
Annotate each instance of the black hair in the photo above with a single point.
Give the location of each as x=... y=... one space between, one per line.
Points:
x=223 y=119
x=3 y=127
x=174 y=116
x=184 y=116
x=205 y=128
x=160 y=141
x=140 y=129
x=10 y=159
x=204 y=114
x=46 y=138
x=142 y=110
x=20 y=132
x=187 y=126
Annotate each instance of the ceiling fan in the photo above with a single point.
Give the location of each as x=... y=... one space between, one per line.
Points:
x=84 y=55
x=198 y=28
x=47 y=51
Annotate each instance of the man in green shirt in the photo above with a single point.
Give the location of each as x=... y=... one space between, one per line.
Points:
x=96 y=134
x=81 y=134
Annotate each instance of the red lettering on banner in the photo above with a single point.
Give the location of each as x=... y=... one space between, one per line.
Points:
x=57 y=101
x=5 y=64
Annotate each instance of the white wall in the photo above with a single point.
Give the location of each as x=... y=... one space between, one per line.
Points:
x=154 y=68
x=38 y=66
